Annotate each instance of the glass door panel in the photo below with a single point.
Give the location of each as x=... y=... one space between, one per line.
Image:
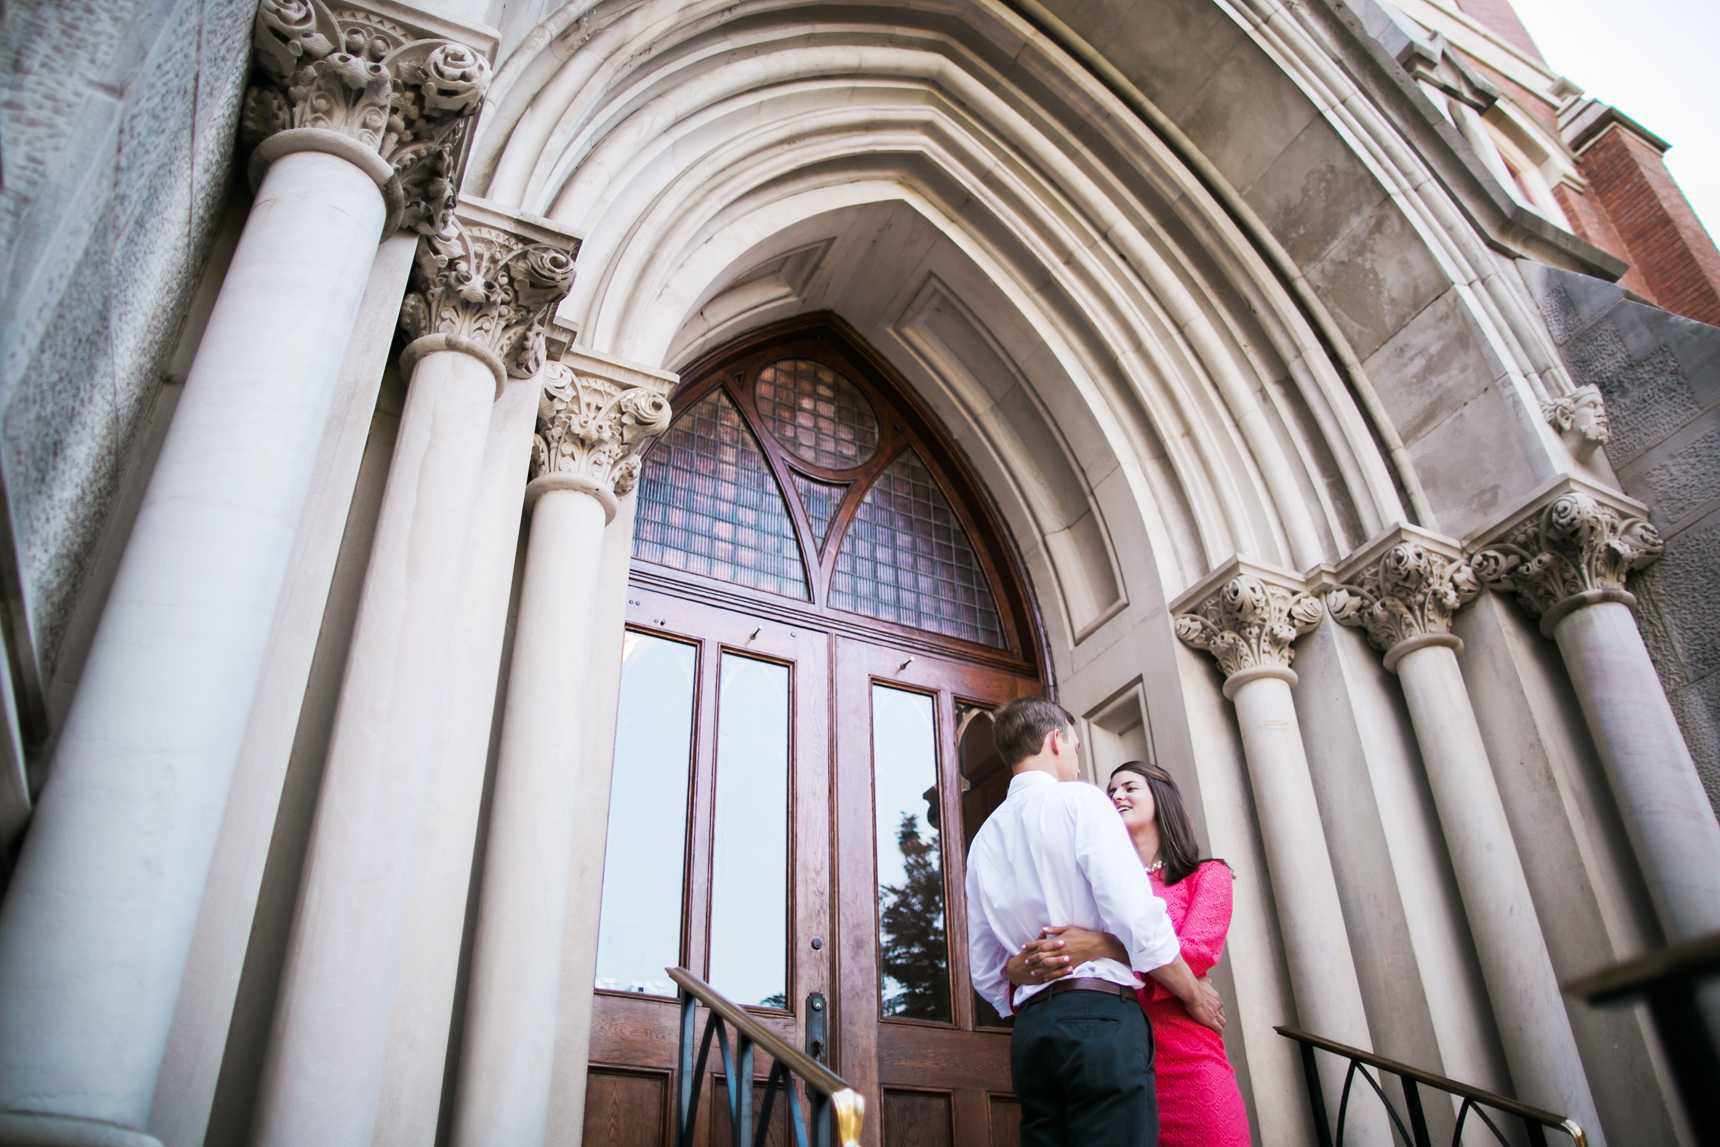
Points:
x=639 y=930
x=916 y=956
x=749 y=865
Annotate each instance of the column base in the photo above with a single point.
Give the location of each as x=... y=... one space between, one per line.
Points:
x=24 y=1129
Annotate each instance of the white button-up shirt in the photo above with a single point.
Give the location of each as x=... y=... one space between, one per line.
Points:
x=1055 y=854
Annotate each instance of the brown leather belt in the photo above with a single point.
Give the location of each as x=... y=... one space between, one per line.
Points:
x=1084 y=984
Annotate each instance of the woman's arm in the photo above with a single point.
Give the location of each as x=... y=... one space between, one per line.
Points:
x=1059 y=951
x=1203 y=930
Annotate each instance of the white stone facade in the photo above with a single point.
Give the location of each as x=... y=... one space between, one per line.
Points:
x=1232 y=326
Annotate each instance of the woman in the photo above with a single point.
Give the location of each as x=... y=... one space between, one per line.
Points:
x=1199 y=1104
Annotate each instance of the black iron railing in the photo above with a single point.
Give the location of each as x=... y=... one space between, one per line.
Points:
x=1412 y=1122
x=834 y=1110
x=1670 y=983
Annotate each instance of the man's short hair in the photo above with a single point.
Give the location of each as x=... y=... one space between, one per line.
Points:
x=1019 y=728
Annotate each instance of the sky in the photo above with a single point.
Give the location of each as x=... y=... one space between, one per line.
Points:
x=1653 y=60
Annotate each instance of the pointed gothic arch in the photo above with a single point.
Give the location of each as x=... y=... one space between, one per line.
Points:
x=804 y=475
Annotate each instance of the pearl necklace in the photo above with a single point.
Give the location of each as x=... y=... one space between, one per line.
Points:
x=1156 y=866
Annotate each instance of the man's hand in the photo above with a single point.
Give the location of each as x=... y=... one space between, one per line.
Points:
x=1061 y=950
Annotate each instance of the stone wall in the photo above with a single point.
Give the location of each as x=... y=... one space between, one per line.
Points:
x=1660 y=376
x=117 y=121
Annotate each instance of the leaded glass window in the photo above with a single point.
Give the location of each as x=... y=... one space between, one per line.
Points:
x=817 y=413
x=709 y=505
x=907 y=559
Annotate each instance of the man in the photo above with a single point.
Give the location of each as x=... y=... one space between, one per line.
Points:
x=1081 y=1056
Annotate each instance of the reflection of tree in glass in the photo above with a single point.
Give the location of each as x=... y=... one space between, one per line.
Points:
x=779 y=1000
x=916 y=976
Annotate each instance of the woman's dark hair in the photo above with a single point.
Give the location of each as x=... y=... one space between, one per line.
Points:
x=1177 y=847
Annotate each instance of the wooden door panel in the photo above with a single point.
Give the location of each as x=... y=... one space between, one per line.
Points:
x=626 y=1109
x=917 y=1119
x=1005 y=1121
x=778 y=1135
x=951 y=1057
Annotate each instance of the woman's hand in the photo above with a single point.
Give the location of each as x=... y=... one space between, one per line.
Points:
x=1059 y=951
x=1207 y=1006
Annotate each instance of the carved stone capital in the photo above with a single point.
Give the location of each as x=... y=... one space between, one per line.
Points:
x=594 y=416
x=409 y=97
x=1573 y=544
x=1580 y=417
x=486 y=285
x=1247 y=617
x=1404 y=586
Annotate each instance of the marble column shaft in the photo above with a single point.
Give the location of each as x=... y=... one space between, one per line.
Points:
x=1403 y=589
x=591 y=422
x=1666 y=810
x=99 y=916
x=1546 y=1067
x=1247 y=617
x=1566 y=556
x=323 y=1075
x=478 y=293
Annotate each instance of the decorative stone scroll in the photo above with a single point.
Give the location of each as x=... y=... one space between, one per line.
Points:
x=1576 y=549
x=1404 y=588
x=594 y=416
x=488 y=292
x=1580 y=417
x=408 y=99
x=1249 y=622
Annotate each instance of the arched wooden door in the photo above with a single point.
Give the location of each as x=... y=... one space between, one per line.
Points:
x=823 y=610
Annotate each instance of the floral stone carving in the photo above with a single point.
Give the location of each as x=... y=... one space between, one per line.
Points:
x=1577 y=544
x=1409 y=591
x=490 y=287
x=367 y=78
x=1249 y=623
x=591 y=428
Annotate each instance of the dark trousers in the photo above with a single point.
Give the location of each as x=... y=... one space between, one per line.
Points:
x=1082 y=1063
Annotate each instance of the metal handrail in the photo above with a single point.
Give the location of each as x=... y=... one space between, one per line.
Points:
x=828 y=1095
x=1535 y=1120
x=1670 y=982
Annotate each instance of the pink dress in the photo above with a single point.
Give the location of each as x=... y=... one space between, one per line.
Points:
x=1199 y=1105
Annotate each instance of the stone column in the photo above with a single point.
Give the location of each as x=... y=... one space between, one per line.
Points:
x=1247 y=617
x=353 y=125
x=592 y=419
x=479 y=299
x=1566 y=556
x=1403 y=589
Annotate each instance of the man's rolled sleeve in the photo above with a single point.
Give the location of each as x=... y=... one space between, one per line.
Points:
x=1132 y=914
x=988 y=962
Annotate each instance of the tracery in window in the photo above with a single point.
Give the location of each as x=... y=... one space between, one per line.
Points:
x=709 y=505
x=907 y=559
x=819 y=500
x=817 y=413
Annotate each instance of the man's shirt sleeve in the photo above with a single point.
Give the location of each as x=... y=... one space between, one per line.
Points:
x=1125 y=897
x=987 y=959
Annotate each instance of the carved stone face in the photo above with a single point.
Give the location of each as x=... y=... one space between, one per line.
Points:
x=1589 y=417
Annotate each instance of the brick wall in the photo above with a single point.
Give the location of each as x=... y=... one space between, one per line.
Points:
x=1665 y=241
x=1591 y=224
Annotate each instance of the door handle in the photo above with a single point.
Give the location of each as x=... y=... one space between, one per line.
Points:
x=816 y=1047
